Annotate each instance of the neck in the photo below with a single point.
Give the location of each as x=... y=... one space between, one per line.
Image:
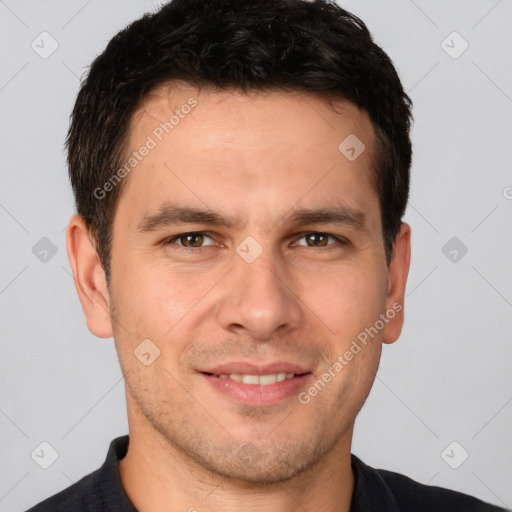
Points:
x=158 y=477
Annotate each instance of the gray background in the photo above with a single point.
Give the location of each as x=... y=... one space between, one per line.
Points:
x=447 y=379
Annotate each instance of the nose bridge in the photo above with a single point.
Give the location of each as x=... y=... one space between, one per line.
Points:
x=257 y=297
x=265 y=275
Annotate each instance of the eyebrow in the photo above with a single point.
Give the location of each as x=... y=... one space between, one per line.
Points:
x=170 y=215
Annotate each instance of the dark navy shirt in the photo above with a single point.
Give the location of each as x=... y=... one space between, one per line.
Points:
x=375 y=490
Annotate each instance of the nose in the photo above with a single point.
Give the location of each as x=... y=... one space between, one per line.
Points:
x=258 y=299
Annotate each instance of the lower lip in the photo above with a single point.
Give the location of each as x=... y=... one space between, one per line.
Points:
x=257 y=394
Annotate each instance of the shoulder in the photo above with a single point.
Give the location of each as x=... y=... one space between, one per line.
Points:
x=76 y=498
x=410 y=495
x=98 y=491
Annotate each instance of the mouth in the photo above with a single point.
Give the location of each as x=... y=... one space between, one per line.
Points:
x=257 y=388
x=256 y=380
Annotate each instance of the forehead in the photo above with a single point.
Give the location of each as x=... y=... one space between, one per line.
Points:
x=260 y=146
x=297 y=117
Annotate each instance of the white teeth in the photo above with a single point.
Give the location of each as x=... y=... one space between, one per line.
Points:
x=263 y=380
x=267 y=379
x=250 y=379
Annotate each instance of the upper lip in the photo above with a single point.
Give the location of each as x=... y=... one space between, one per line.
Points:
x=246 y=368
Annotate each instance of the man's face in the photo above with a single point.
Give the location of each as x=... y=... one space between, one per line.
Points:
x=279 y=293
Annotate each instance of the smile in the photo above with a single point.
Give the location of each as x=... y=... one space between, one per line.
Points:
x=262 y=380
x=257 y=390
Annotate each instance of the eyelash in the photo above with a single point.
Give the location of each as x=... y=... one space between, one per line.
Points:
x=340 y=241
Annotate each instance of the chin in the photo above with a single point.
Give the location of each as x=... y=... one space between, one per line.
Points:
x=247 y=464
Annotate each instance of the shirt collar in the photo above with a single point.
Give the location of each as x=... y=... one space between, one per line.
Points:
x=371 y=493
x=111 y=493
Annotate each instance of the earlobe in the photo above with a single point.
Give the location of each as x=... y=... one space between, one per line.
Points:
x=397 y=280
x=89 y=277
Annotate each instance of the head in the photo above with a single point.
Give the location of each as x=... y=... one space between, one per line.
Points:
x=246 y=111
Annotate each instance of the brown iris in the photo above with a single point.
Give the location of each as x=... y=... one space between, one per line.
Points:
x=314 y=237
x=188 y=239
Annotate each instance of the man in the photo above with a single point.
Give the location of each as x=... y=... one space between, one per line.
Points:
x=240 y=172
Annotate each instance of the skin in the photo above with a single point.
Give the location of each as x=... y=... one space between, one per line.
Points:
x=256 y=158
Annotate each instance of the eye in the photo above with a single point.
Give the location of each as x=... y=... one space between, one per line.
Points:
x=320 y=239
x=196 y=240
x=193 y=240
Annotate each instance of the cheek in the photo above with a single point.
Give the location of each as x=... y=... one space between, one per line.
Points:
x=346 y=299
x=160 y=300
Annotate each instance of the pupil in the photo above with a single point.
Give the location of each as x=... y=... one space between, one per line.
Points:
x=189 y=239
x=319 y=235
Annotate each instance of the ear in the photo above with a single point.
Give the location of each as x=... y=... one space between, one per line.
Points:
x=89 y=277
x=397 y=279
